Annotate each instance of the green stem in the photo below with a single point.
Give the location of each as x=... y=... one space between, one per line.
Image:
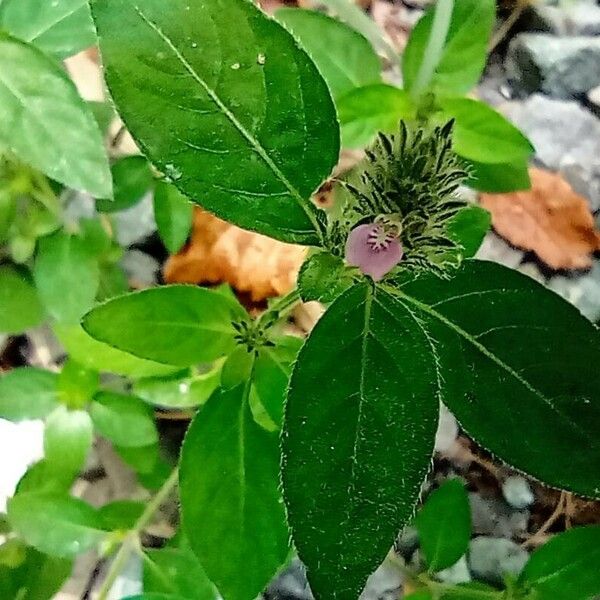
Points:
x=131 y=541
x=279 y=308
x=435 y=45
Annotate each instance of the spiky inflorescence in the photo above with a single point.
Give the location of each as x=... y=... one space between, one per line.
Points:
x=414 y=177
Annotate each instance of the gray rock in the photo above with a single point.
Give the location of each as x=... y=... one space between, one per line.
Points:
x=559 y=67
x=578 y=18
x=407 y=542
x=136 y=223
x=490 y=558
x=291 y=584
x=517 y=492
x=496 y=249
x=491 y=516
x=566 y=138
x=582 y=291
x=447 y=431
x=385 y=584
x=457 y=573
x=140 y=268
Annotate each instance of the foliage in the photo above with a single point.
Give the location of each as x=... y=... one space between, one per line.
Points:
x=330 y=441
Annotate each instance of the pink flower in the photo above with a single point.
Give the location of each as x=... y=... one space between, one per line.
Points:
x=374 y=248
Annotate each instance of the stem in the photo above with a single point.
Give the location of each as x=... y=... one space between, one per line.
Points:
x=435 y=45
x=131 y=541
x=504 y=29
x=279 y=308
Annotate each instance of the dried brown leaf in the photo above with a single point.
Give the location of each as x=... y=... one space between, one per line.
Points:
x=251 y=263
x=550 y=219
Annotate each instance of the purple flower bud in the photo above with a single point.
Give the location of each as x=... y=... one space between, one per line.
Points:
x=374 y=249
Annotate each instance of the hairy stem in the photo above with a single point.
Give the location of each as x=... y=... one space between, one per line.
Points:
x=435 y=45
x=131 y=541
x=279 y=308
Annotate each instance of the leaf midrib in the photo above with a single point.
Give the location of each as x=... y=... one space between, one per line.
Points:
x=255 y=144
x=429 y=310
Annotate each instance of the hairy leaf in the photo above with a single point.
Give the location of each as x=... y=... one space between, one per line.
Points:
x=465 y=48
x=367 y=110
x=55 y=524
x=515 y=357
x=344 y=57
x=173 y=213
x=252 y=128
x=358 y=437
x=179 y=325
x=27 y=393
x=444 y=525
x=233 y=502
x=59 y=27
x=20 y=307
x=45 y=123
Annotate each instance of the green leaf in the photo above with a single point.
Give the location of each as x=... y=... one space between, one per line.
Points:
x=20 y=308
x=343 y=56
x=252 y=129
x=185 y=391
x=348 y=12
x=516 y=357
x=444 y=525
x=132 y=179
x=465 y=50
x=66 y=276
x=177 y=571
x=178 y=324
x=59 y=27
x=358 y=437
x=12 y=553
x=68 y=438
x=566 y=567
x=124 y=420
x=153 y=596
x=76 y=384
x=323 y=277
x=144 y=460
x=366 y=110
x=121 y=515
x=41 y=477
x=96 y=355
x=483 y=134
x=27 y=393
x=55 y=524
x=233 y=502
x=272 y=370
x=237 y=368
x=469 y=227
x=45 y=123
x=173 y=213
x=39 y=577
x=103 y=112
x=499 y=178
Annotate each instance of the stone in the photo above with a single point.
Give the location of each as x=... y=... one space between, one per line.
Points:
x=407 y=542
x=566 y=138
x=135 y=224
x=517 y=492
x=494 y=517
x=594 y=97
x=559 y=67
x=457 y=573
x=583 y=291
x=447 y=431
x=141 y=268
x=573 y=18
x=290 y=584
x=384 y=584
x=490 y=558
x=497 y=250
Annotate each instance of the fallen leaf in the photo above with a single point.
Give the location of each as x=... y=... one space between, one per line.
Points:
x=251 y=263
x=550 y=219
